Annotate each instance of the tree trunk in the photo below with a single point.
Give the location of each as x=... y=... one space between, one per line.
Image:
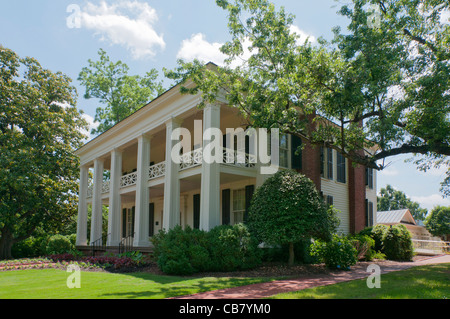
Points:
x=6 y=242
x=291 y=254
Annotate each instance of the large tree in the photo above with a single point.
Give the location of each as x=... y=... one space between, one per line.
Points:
x=392 y=199
x=438 y=221
x=120 y=93
x=382 y=83
x=40 y=128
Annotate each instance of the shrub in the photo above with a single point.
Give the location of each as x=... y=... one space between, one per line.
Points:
x=397 y=243
x=339 y=253
x=224 y=248
x=364 y=246
x=233 y=248
x=59 y=244
x=377 y=233
x=30 y=247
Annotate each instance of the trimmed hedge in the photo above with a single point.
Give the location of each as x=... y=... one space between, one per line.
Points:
x=187 y=251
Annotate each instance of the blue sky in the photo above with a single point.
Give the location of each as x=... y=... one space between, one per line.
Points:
x=153 y=34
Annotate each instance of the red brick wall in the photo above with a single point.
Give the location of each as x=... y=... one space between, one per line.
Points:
x=357 y=197
x=311 y=163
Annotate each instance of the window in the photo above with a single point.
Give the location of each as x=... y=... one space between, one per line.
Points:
x=329 y=200
x=369 y=177
x=340 y=168
x=369 y=213
x=330 y=163
x=238 y=206
x=284 y=150
x=322 y=162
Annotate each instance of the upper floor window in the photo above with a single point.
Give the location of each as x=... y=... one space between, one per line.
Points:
x=330 y=163
x=341 y=169
x=284 y=150
x=369 y=177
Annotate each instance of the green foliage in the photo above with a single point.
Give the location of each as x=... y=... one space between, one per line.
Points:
x=59 y=244
x=224 y=248
x=397 y=243
x=391 y=199
x=438 y=221
x=338 y=253
x=122 y=94
x=30 y=247
x=393 y=77
x=40 y=127
x=364 y=246
x=287 y=209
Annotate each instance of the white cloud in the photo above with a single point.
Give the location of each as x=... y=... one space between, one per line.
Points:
x=198 y=47
x=430 y=201
x=126 y=23
x=92 y=125
x=303 y=36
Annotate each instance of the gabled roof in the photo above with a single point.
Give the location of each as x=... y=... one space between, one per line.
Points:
x=395 y=217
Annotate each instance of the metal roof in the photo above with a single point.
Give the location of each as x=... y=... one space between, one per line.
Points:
x=393 y=216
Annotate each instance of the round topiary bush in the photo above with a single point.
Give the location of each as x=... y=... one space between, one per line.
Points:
x=397 y=243
x=287 y=209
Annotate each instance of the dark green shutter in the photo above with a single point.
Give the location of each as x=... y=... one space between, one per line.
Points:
x=151 y=220
x=197 y=211
x=226 y=206
x=249 y=190
x=124 y=222
x=296 y=160
x=133 y=210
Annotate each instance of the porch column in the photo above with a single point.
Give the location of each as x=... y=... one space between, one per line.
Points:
x=142 y=193
x=171 y=214
x=210 y=181
x=82 y=207
x=114 y=199
x=96 y=218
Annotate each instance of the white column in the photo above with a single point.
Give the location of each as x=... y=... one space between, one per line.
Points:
x=171 y=212
x=114 y=199
x=82 y=207
x=210 y=182
x=142 y=193
x=96 y=218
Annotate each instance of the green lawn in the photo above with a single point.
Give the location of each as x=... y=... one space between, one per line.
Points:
x=426 y=282
x=52 y=284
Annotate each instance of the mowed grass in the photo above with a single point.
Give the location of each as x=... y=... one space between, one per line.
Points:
x=425 y=282
x=52 y=284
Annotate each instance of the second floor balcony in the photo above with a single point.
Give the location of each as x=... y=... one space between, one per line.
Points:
x=187 y=161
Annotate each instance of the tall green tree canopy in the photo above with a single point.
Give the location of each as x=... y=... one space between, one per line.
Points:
x=40 y=128
x=438 y=221
x=392 y=199
x=383 y=82
x=120 y=93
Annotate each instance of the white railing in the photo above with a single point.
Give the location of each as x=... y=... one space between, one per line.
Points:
x=191 y=159
x=431 y=246
x=105 y=189
x=240 y=159
x=188 y=160
x=157 y=170
x=128 y=180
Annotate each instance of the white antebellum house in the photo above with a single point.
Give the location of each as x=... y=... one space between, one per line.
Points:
x=146 y=191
